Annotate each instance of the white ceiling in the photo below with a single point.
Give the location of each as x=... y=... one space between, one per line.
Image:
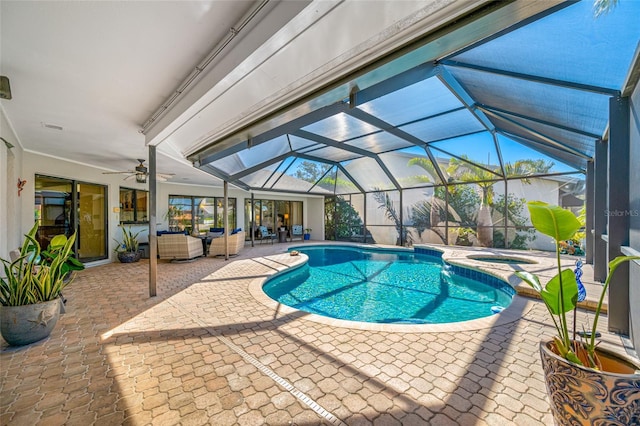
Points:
x=99 y=70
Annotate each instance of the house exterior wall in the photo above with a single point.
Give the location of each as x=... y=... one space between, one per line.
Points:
x=10 y=208
x=17 y=215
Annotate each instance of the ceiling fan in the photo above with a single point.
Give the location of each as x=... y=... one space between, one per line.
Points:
x=140 y=173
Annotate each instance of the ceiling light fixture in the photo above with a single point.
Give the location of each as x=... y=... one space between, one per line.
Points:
x=141 y=173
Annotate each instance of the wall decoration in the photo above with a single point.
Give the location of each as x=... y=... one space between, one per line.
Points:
x=21 y=184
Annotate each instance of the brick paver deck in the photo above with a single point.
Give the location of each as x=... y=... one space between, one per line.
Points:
x=207 y=351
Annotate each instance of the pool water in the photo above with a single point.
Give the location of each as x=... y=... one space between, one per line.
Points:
x=384 y=287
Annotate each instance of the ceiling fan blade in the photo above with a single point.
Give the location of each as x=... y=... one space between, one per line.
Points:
x=117 y=173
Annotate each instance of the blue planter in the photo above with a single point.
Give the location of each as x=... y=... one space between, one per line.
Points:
x=307 y=236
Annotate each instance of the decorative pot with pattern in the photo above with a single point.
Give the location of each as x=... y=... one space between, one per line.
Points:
x=129 y=256
x=22 y=325
x=584 y=396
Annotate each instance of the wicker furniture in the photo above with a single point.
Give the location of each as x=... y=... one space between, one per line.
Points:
x=236 y=243
x=179 y=247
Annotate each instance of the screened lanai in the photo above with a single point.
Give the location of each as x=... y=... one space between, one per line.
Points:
x=433 y=146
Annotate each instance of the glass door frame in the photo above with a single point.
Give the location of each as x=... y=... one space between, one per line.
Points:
x=73 y=213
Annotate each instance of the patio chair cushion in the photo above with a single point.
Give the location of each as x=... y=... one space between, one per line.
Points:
x=264 y=234
x=215 y=232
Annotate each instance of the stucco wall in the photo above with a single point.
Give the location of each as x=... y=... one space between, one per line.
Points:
x=17 y=214
x=10 y=207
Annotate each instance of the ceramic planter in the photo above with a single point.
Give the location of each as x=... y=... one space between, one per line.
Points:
x=21 y=325
x=129 y=256
x=584 y=396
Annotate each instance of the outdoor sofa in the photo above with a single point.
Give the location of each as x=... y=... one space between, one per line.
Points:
x=179 y=246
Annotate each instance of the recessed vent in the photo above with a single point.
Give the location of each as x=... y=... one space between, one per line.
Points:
x=52 y=126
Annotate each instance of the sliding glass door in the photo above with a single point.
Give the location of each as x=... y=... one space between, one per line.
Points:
x=273 y=214
x=63 y=206
x=92 y=222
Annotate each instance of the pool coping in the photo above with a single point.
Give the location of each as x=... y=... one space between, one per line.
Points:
x=515 y=311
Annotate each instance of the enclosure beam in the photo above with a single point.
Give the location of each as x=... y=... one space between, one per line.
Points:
x=589 y=203
x=253 y=220
x=599 y=212
x=506 y=213
x=402 y=240
x=225 y=210
x=153 y=226
x=618 y=213
x=364 y=208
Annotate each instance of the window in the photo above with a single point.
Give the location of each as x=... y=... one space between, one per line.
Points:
x=273 y=214
x=134 y=206
x=199 y=213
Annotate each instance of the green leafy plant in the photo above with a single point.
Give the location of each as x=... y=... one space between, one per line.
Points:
x=465 y=237
x=129 y=241
x=560 y=294
x=27 y=280
x=307 y=230
x=54 y=250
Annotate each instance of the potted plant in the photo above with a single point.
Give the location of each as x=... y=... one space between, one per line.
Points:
x=307 y=233
x=30 y=290
x=53 y=251
x=127 y=250
x=586 y=384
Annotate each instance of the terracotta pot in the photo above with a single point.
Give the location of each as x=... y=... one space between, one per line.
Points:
x=584 y=396
x=21 y=325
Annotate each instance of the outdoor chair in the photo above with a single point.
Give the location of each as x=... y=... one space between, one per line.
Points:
x=179 y=247
x=296 y=232
x=264 y=234
x=236 y=243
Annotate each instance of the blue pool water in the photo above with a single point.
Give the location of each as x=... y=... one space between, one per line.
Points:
x=386 y=287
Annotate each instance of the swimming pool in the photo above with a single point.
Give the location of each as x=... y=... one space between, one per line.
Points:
x=383 y=286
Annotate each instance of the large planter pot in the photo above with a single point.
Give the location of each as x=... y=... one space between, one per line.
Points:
x=21 y=325
x=584 y=396
x=129 y=256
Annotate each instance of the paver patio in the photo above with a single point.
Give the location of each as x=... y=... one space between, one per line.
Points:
x=207 y=351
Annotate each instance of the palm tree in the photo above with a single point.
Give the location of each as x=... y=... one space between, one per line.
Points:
x=527 y=168
x=436 y=206
x=385 y=203
x=467 y=172
x=602 y=7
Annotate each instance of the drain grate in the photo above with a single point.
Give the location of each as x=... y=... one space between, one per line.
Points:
x=301 y=396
